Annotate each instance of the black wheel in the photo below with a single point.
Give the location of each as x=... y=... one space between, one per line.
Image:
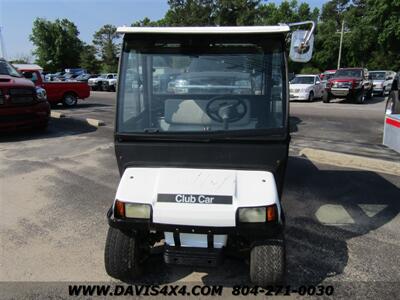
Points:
x=311 y=97
x=391 y=106
x=360 y=97
x=268 y=263
x=325 y=97
x=121 y=255
x=70 y=99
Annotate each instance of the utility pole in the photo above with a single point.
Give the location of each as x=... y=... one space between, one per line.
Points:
x=2 y=46
x=340 y=46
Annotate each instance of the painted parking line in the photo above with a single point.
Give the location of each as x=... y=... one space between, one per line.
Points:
x=332 y=214
x=351 y=161
x=337 y=215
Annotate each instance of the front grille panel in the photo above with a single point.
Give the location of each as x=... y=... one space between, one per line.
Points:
x=16 y=118
x=342 y=84
x=22 y=96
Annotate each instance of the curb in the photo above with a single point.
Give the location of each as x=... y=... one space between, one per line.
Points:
x=57 y=115
x=351 y=161
x=90 y=121
x=95 y=122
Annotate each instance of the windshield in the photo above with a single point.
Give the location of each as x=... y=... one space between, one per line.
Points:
x=303 y=80
x=348 y=73
x=328 y=76
x=201 y=85
x=7 y=69
x=377 y=75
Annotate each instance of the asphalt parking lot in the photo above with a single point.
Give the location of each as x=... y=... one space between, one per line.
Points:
x=343 y=224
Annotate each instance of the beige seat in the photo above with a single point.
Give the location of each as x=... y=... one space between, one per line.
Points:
x=190 y=115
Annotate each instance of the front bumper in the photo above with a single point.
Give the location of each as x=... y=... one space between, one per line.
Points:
x=343 y=92
x=251 y=231
x=378 y=89
x=36 y=115
x=299 y=96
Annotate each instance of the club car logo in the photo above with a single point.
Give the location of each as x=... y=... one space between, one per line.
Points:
x=194 y=199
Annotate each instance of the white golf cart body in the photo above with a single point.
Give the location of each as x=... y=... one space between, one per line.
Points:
x=201 y=141
x=196 y=196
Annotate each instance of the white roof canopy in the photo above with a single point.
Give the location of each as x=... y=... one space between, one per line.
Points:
x=28 y=67
x=205 y=30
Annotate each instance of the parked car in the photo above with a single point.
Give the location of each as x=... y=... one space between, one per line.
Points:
x=393 y=102
x=349 y=83
x=76 y=71
x=328 y=74
x=59 y=76
x=96 y=84
x=86 y=77
x=381 y=81
x=306 y=87
x=110 y=84
x=211 y=74
x=65 y=92
x=22 y=105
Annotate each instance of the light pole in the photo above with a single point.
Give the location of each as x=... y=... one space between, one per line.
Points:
x=3 y=47
x=340 y=46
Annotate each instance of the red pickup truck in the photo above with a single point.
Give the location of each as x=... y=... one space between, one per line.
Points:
x=349 y=83
x=22 y=105
x=65 y=92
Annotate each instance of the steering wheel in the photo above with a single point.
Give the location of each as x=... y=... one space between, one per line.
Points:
x=226 y=109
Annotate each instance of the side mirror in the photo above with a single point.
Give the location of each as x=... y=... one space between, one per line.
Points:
x=27 y=75
x=317 y=82
x=300 y=49
x=389 y=78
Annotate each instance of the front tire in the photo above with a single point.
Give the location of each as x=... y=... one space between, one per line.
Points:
x=360 y=97
x=311 y=97
x=325 y=97
x=268 y=263
x=391 y=106
x=70 y=100
x=121 y=255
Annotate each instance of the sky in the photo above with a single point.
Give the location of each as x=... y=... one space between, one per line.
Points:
x=17 y=16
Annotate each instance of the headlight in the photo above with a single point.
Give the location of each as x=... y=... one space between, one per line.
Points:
x=41 y=94
x=257 y=214
x=252 y=215
x=132 y=210
x=181 y=86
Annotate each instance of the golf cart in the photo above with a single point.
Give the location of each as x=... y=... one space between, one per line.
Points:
x=201 y=142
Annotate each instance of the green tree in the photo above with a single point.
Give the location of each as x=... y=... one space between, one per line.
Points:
x=190 y=13
x=57 y=45
x=236 y=12
x=106 y=42
x=89 y=60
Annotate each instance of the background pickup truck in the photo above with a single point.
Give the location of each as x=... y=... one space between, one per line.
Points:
x=21 y=104
x=349 y=83
x=65 y=92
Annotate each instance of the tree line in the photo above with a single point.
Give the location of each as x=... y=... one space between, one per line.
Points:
x=58 y=46
x=371 y=38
